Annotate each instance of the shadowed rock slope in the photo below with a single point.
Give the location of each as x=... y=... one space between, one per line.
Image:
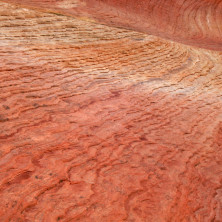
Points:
x=104 y=124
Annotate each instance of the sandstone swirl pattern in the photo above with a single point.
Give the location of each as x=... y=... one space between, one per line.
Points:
x=193 y=22
x=104 y=124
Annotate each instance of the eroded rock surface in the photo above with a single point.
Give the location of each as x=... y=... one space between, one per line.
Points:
x=104 y=124
x=193 y=22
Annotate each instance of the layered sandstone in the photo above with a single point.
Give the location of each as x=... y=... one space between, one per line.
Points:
x=105 y=124
x=193 y=22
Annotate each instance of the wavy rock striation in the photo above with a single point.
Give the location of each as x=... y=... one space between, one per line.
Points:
x=193 y=22
x=105 y=124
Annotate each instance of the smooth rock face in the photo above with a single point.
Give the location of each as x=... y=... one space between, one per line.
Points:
x=193 y=22
x=104 y=124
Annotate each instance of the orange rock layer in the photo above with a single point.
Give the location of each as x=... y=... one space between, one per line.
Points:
x=104 y=124
x=193 y=22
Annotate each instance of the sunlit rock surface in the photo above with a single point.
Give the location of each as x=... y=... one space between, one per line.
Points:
x=104 y=124
x=193 y=22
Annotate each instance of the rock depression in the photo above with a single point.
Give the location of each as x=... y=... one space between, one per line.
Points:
x=105 y=124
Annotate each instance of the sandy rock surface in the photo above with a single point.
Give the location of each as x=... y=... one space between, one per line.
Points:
x=192 y=22
x=104 y=124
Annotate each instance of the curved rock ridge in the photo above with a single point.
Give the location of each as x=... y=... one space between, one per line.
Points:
x=192 y=22
x=105 y=124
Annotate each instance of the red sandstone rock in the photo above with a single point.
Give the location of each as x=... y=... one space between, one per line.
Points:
x=194 y=22
x=104 y=124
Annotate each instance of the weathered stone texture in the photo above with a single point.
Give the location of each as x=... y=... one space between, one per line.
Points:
x=104 y=124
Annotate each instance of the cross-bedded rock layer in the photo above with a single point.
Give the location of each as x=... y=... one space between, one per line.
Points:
x=193 y=22
x=104 y=124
